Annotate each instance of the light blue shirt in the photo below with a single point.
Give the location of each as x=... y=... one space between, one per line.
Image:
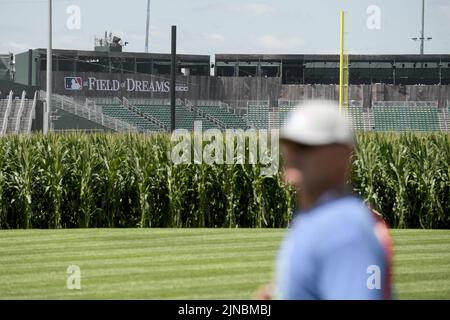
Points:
x=330 y=253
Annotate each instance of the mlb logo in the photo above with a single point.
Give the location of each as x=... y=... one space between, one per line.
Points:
x=73 y=83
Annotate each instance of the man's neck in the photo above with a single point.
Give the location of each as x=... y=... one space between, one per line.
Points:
x=309 y=199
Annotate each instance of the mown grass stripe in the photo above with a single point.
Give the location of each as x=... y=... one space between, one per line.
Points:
x=144 y=234
x=422 y=257
x=161 y=261
x=149 y=252
x=185 y=263
x=105 y=269
x=209 y=282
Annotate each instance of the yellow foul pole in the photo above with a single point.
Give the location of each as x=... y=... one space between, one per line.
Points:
x=343 y=68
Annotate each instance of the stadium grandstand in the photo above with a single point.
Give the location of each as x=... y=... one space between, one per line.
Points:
x=324 y=69
x=107 y=89
x=17 y=114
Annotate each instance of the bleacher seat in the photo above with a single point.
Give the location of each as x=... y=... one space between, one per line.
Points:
x=356 y=116
x=283 y=113
x=403 y=117
x=229 y=119
x=258 y=115
x=184 y=118
x=120 y=112
x=356 y=113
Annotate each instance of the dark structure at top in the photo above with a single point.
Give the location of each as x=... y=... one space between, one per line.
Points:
x=291 y=69
x=30 y=63
x=324 y=69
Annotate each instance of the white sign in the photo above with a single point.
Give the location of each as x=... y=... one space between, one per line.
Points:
x=130 y=85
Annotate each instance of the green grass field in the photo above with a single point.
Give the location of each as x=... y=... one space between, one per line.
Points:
x=185 y=263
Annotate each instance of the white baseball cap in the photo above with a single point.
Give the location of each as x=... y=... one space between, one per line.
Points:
x=318 y=123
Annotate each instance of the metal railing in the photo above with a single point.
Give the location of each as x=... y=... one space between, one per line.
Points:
x=289 y=103
x=258 y=103
x=295 y=103
x=406 y=104
x=154 y=102
x=8 y=110
x=260 y=118
x=146 y=116
x=204 y=115
x=78 y=130
x=208 y=103
x=3 y=107
x=230 y=109
x=117 y=100
x=447 y=116
x=92 y=104
x=96 y=101
x=215 y=103
x=444 y=121
x=19 y=113
x=68 y=104
x=32 y=114
x=149 y=102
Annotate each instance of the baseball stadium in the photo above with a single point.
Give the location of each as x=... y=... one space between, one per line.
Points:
x=88 y=187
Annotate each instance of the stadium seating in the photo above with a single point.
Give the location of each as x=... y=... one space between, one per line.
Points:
x=284 y=108
x=229 y=119
x=3 y=108
x=211 y=113
x=404 y=117
x=447 y=117
x=120 y=112
x=357 y=116
x=19 y=116
x=11 y=125
x=383 y=116
x=184 y=118
x=25 y=123
x=258 y=114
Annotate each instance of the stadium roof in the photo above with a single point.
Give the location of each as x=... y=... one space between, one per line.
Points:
x=333 y=57
x=137 y=55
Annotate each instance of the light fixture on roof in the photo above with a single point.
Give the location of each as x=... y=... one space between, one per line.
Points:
x=422 y=38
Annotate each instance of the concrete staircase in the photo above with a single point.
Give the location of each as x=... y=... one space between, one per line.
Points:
x=16 y=115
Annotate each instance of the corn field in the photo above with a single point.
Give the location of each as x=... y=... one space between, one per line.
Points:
x=406 y=177
x=127 y=180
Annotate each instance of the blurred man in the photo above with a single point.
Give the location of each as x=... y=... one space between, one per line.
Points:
x=336 y=247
